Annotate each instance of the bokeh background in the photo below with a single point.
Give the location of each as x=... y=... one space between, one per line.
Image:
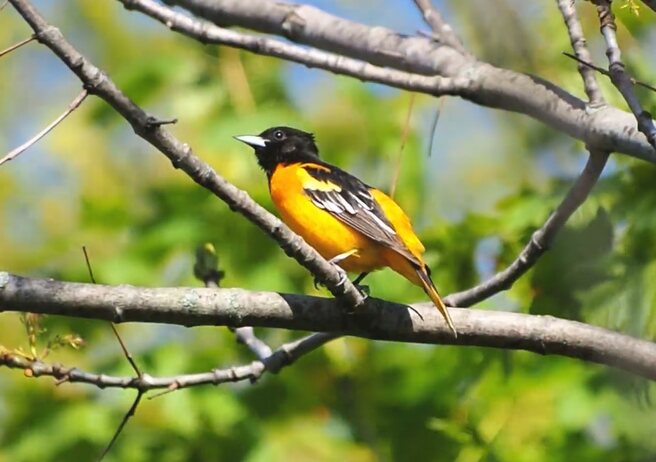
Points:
x=489 y=180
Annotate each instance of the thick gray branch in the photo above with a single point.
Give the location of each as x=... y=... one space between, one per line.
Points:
x=377 y=319
x=605 y=128
x=207 y=32
x=181 y=155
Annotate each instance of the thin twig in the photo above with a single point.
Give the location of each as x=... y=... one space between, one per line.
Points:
x=618 y=74
x=130 y=359
x=20 y=149
x=126 y=352
x=540 y=240
x=5 y=3
x=442 y=30
x=577 y=39
x=601 y=70
x=17 y=45
x=124 y=421
x=433 y=127
x=88 y=263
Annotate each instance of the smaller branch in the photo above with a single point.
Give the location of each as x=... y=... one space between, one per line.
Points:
x=17 y=45
x=618 y=74
x=124 y=421
x=20 y=149
x=540 y=240
x=442 y=30
x=126 y=352
x=246 y=336
x=5 y=3
x=577 y=39
x=282 y=357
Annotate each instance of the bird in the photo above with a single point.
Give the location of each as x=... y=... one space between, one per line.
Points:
x=351 y=224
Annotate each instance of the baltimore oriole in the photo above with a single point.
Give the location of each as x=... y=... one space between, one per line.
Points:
x=354 y=225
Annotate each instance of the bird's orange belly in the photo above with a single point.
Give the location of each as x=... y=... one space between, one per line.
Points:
x=329 y=236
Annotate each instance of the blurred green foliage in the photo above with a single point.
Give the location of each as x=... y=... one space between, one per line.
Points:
x=491 y=180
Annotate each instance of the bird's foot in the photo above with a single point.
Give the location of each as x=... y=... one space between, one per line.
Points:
x=342 y=278
x=335 y=261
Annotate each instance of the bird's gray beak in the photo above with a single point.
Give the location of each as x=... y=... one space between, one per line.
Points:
x=252 y=140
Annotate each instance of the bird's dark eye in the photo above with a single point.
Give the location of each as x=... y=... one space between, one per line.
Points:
x=278 y=134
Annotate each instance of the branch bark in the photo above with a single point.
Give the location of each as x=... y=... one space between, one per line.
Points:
x=206 y=32
x=605 y=128
x=617 y=72
x=577 y=39
x=442 y=30
x=377 y=319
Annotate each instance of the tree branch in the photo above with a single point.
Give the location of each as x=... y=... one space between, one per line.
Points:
x=577 y=39
x=606 y=128
x=377 y=319
x=540 y=240
x=181 y=156
x=206 y=32
x=443 y=31
x=618 y=74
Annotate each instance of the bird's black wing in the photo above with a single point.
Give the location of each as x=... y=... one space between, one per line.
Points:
x=350 y=200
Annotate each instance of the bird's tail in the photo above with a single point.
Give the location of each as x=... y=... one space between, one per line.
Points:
x=431 y=291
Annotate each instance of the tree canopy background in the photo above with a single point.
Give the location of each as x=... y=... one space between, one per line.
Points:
x=490 y=179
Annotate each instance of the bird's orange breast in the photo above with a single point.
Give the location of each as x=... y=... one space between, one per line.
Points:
x=328 y=235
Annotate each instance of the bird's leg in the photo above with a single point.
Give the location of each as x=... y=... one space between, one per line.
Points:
x=335 y=260
x=359 y=279
x=364 y=289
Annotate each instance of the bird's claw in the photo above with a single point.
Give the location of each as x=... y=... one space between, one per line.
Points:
x=342 y=274
x=343 y=277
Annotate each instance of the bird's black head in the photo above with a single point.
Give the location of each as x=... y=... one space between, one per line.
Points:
x=281 y=145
